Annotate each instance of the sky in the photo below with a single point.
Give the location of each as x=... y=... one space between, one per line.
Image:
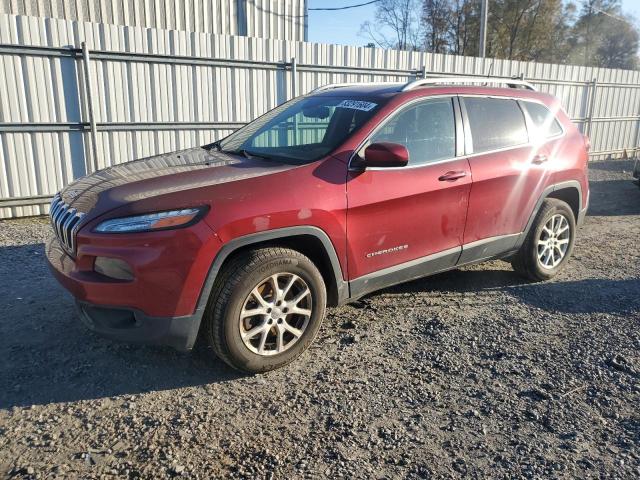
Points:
x=343 y=26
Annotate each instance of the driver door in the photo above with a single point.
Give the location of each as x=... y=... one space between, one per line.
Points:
x=406 y=222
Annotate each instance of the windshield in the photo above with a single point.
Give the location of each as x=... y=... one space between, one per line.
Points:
x=302 y=130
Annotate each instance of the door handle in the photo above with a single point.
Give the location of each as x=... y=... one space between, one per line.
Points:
x=538 y=159
x=453 y=175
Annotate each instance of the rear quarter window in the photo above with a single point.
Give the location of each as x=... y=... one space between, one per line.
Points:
x=545 y=122
x=495 y=123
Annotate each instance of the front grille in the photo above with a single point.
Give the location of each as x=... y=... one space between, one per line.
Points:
x=65 y=222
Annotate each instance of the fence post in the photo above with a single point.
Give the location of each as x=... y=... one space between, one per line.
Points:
x=92 y=165
x=294 y=92
x=424 y=71
x=294 y=75
x=636 y=150
x=592 y=103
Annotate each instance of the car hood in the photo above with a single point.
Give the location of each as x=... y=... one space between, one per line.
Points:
x=160 y=175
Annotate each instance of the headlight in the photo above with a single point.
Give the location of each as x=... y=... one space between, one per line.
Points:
x=150 y=221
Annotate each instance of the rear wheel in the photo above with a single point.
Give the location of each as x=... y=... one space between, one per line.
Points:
x=265 y=309
x=549 y=242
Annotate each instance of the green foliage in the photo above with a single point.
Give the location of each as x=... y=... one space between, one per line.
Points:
x=603 y=36
x=593 y=33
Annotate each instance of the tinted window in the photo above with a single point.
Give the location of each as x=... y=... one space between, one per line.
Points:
x=495 y=123
x=544 y=121
x=426 y=129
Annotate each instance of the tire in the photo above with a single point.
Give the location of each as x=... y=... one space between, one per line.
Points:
x=236 y=291
x=527 y=261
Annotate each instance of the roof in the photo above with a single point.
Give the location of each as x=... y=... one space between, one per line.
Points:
x=372 y=89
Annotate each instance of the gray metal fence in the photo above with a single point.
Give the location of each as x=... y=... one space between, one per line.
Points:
x=76 y=97
x=282 y=19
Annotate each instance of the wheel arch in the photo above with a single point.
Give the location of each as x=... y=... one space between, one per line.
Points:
x=308 y=240
x=571 y=196
x=569 y=192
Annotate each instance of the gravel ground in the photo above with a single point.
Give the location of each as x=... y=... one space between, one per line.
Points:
x=469 y=373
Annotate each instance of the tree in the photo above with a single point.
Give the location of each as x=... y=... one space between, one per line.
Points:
x=435 y=18
x=526 y=29
x=618 y=46
x=603 y=36
x=556 y=31
x=464 y=27
x=517 y=29
x=396 y=25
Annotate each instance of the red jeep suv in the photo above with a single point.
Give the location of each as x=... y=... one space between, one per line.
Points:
x=330 y=196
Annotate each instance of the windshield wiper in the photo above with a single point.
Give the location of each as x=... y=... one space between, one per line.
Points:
x=247 y=154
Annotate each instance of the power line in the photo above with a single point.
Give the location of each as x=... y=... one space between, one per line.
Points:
x=346 y=7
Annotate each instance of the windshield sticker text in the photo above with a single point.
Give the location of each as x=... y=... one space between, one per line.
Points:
x=357 y=105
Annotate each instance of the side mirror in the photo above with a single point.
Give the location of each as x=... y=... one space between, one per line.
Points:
x=386 y=154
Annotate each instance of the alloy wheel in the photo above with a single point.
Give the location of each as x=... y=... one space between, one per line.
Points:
x=553 y=242
x=275 y=314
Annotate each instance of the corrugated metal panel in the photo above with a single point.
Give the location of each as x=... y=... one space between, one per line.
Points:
x=281 y=19
x=208 y=85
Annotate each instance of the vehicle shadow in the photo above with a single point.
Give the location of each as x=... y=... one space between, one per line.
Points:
x=49 y=356
x=612 y=191
x=592 y=295
x=614 y=198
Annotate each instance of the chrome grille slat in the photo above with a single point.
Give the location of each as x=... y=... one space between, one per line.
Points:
x=63 y=225
x=65 y=222
x=55 y=206
x=59 y=225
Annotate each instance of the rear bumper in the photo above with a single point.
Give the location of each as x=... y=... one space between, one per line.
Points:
x=133 y=326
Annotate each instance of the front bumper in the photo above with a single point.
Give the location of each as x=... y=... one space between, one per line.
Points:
x=131 y=325
x=161 y=305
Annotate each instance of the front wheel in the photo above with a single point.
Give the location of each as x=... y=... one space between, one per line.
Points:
x=265 y=309
x=549 y=242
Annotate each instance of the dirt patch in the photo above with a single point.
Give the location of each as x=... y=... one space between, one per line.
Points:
x=473 y=372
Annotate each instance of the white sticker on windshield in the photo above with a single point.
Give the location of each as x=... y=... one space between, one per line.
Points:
x=357 y=105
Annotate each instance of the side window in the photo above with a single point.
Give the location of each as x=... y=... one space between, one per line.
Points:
x=427 y=129
x=546 y=123
x=495 y=123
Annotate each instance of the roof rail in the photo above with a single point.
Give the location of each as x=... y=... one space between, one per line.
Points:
x=511 y=82
x=331 y=86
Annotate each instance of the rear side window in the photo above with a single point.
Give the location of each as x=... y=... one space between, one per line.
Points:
x=495 y=123
x=427 y=129
x=544 y=121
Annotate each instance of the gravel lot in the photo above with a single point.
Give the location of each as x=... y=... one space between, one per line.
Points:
x=469 y=373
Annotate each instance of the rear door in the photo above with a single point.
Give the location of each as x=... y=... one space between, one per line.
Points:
x=403 y=214
x=509 y=174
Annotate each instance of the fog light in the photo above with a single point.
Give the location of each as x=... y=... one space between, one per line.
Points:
x=113 y=268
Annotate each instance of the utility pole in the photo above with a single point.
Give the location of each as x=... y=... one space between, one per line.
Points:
x=483 y=27
x=588 y=37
